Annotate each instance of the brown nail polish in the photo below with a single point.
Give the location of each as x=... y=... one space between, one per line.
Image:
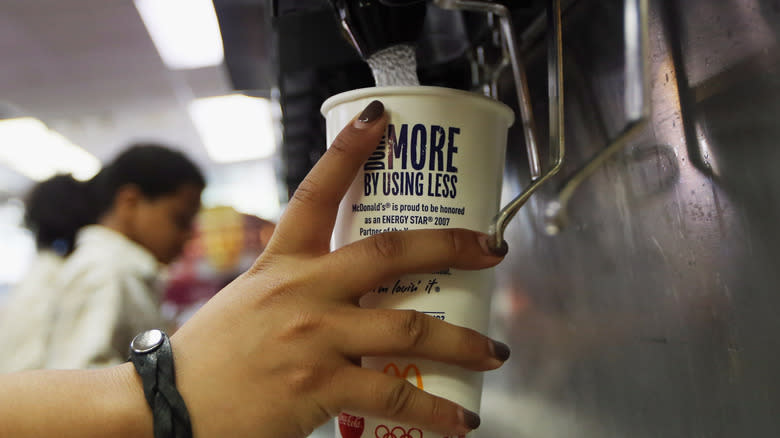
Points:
x=373 y=111
x=484 y=242
x=502 y=250
x=500 y=351
x=471 y=419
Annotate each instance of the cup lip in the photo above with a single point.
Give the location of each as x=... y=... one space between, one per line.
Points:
x=417 y=90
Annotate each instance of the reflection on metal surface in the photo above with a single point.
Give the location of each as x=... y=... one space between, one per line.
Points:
x=708 y=159
x=637 y=102
x=556 y=215
x=654 y=171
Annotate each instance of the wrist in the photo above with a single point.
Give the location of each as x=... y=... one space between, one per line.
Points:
x=152 y=356
x=129 y=406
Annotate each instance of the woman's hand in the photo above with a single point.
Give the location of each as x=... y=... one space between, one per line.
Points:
x=276 y=353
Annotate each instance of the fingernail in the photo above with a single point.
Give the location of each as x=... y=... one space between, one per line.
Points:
x=470 y=419
x=484 y=243
x=373 y=111
x=499 y=350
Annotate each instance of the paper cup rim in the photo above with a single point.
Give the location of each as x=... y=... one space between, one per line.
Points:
x=379 y=92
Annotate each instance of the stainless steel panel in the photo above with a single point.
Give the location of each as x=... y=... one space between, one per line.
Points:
x=655 y=313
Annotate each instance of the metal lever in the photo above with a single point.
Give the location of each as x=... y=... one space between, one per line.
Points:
x=555 y=92
x=637 y=103
x=518 y=70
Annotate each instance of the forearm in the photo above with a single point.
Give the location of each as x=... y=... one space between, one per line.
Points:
x=81 y=403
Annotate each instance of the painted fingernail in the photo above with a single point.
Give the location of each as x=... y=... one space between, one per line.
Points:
x=373 y=111
x=500 y=350
x=470 y=419
x=484 y=243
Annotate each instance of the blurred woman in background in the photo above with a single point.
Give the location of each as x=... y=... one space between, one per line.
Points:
x=145 y=203
x=54 y=211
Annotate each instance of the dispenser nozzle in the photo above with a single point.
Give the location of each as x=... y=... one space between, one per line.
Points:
x=373 y=25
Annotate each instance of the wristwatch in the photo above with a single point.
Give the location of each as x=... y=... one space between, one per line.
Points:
x=152 y=357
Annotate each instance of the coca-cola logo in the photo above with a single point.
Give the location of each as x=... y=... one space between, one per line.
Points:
x=351 y=426
x=383 y=431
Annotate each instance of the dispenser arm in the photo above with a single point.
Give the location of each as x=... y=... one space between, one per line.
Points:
x=556 y=118
x=555 y=94
x=518 y=71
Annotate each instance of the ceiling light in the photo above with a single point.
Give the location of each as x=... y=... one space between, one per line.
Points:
x=185 y=32
x=248 y=187
x=234 y=127
x=29 y=147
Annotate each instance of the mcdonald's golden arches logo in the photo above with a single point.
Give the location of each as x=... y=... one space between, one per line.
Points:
x=405 y=375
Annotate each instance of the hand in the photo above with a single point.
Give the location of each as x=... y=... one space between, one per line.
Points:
x=276 y=353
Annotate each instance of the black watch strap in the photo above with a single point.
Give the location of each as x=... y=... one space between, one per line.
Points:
x=152 y=357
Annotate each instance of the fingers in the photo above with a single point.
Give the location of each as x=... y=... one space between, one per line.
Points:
x=372 y=393
x=308 y=221
x=408 y=333
x=384 y=256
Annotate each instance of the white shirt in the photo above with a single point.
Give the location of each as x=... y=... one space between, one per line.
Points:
x=109 y=294
x=26 y=317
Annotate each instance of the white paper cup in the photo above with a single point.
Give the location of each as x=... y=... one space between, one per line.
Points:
x=440 y=165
